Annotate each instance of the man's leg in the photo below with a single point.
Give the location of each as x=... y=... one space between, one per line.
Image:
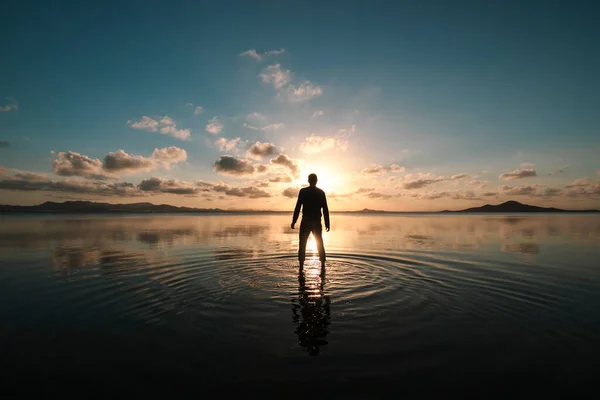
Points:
x=317 y=231
x=304 y=233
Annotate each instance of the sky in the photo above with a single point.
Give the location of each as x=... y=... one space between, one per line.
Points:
x=398 y=106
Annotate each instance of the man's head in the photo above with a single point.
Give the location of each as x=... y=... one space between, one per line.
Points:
x=312 y=179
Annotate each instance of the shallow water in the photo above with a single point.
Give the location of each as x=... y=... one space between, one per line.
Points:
x=505 y=303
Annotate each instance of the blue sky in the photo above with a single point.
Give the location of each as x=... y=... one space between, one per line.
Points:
x=406 y=106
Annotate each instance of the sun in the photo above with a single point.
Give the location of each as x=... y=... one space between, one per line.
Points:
x=329 y=180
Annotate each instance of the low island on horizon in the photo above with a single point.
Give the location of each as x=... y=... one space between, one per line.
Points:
x=89 y=207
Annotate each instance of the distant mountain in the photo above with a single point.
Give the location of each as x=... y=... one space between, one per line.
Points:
x=91 y=207
x=515 y=207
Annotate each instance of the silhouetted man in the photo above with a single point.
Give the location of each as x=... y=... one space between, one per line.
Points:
x=311 y=199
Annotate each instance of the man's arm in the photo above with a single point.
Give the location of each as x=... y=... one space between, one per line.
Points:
x=325 y=212
x=297 y=210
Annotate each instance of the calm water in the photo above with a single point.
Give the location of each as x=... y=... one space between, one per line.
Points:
x=503 y=304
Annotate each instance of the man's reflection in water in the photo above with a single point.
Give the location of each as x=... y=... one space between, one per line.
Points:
x=312 y=312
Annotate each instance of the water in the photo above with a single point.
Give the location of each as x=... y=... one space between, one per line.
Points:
x=187 y=303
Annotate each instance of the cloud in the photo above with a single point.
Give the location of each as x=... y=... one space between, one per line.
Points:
x=579 y=183
x=378 y=195
x=291 y=192
x=490 y=194
x=281 y=178
x=229 y=165
x=364 y=190
x=454 y=195
x=305 y=91
x=4 y=144
x=267 y=128
x=13 y=105
x=123 y=162
x=273 y=127
x=317 y=114
x=527 y=165
x=316 y=144
x=256 y=117
x=260 y=150
x=551 y=192
x=598 y=172
x=169 y=155
x=31 y=181
x=171 y=186
x=251 y=127
x=525 y=190
x=252 y=53
x=228 y=145
x=459 y=176
x=31 y=176
x=71 y=163
x=182 y=134
x=381 y=169
x=250 y=192
x=286 y=161
x=276 y=76
x=165 y=125
x=421 y=181
x=198 y=110
x=275 y=52
x=476 y=183
x=146 y=124
x=214 y=126
x=518 y=174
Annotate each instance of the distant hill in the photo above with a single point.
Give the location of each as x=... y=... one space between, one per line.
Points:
x=92 y=207
x=515 y=207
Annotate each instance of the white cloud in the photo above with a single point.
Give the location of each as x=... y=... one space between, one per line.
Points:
x=275 y=52
x=518 y=174
x=273 y=127
x=317 y=114
x=228 y=145
x=182 y=134
x=252 y=54
x=198 y=110
x=527 y=165
x=256 y=117
x=251 y=127
x=169 y=155
x=276 y=76
x=165 y=125
x=316 y=144
x=214 y=126
x=146 y=124
x=304 y=92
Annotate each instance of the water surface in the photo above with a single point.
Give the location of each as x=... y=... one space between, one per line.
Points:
x=504 y=303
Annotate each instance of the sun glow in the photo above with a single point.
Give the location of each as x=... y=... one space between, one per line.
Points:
x=329 y=180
